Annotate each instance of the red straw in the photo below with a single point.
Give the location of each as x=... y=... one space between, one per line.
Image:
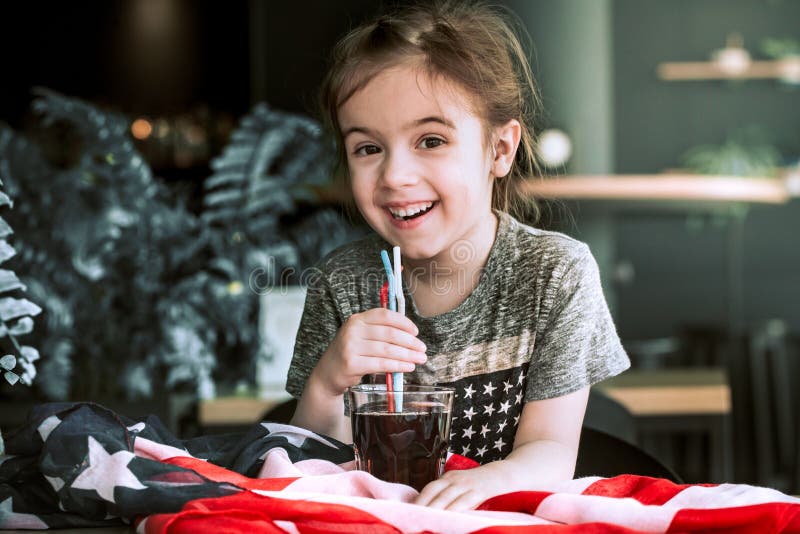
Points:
x=389 y=387
x=385 y=295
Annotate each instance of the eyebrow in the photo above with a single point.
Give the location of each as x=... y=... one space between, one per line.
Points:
x=413 y=124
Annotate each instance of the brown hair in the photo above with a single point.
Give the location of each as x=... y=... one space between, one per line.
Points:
x=470 y=43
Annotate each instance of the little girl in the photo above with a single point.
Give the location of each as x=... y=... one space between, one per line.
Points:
x=431 y=108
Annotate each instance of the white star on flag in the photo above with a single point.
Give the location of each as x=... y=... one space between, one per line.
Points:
x=107 y=471
x=138 y=427
x=484 y=430
x=499 y=444
x=506 y=386
x=521 y=378
x=518 y=399
x=516 y=420
x=56 y=482
x=468 y=391
x=465 y=450
x=488 y=389
x=47 y=426
x=502 y=425
x=295 y=435
x=489 y=408
x=469 y=412
x=468 y=432
x=481 y=451
x=504 y=407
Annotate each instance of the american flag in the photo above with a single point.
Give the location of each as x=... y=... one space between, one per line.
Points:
x=82 y=465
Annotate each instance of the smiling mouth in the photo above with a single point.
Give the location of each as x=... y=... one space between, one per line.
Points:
x=412 y=212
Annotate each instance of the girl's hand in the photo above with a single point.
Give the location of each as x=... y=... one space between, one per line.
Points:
x=375 y=341
x=464 y=490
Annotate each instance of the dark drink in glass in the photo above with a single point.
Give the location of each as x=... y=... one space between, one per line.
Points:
x=407 y=446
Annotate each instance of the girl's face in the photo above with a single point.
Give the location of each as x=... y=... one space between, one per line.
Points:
x=419 y=166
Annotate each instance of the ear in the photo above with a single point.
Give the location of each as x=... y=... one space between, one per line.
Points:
x=505 y=141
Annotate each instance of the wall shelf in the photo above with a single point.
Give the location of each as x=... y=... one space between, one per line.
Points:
x=786 y=69
x=665 y=187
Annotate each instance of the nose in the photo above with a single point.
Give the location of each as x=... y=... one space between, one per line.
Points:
x=398 y=170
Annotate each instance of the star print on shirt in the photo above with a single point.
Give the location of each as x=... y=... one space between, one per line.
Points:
x=486 y=409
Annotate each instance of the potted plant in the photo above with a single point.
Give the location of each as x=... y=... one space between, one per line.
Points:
x=16 y=312
x=787 y=51
x=143 y=297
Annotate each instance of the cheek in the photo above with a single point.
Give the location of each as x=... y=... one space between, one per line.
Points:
x=362 y=191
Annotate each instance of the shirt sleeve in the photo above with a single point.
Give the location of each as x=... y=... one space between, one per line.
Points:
x=318 y=326
x=578 y=345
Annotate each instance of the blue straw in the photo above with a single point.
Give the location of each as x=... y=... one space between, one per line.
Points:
x=397 y=378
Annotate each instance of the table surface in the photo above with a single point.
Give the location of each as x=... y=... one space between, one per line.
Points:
x=682 y=391
x=235 y=410
x=667 y=392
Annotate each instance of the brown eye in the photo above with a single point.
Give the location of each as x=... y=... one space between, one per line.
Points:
x=431 y=142
x=367 y=150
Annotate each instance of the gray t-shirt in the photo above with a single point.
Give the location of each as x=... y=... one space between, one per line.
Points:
x=536 y=327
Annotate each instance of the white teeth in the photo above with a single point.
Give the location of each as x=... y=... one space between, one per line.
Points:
x=410 y=210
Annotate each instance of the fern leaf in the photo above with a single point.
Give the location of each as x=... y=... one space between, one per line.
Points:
x=5 y=229
x=23 y=325
x=257 y=178
x=9 y=281
x=11 y=308
x=6 y=251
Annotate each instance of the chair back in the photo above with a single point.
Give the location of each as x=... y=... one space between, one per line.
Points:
x=775 y=406
x=604 y=455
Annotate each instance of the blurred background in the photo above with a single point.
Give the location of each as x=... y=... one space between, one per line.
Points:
x=170 y=187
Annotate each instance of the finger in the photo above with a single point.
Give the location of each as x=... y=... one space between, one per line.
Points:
x=430 y=491
x=395 y=336
x=447 y=496
x=466 y=501
x=379 y=349
x=385 y=317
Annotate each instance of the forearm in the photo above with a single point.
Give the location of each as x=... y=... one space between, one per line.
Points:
x=322 y=412
x=535 y=465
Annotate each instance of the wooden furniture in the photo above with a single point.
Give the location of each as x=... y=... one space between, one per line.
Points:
x=661 y=187
x=680 y=400
x=235 y=411
x=788 y=68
